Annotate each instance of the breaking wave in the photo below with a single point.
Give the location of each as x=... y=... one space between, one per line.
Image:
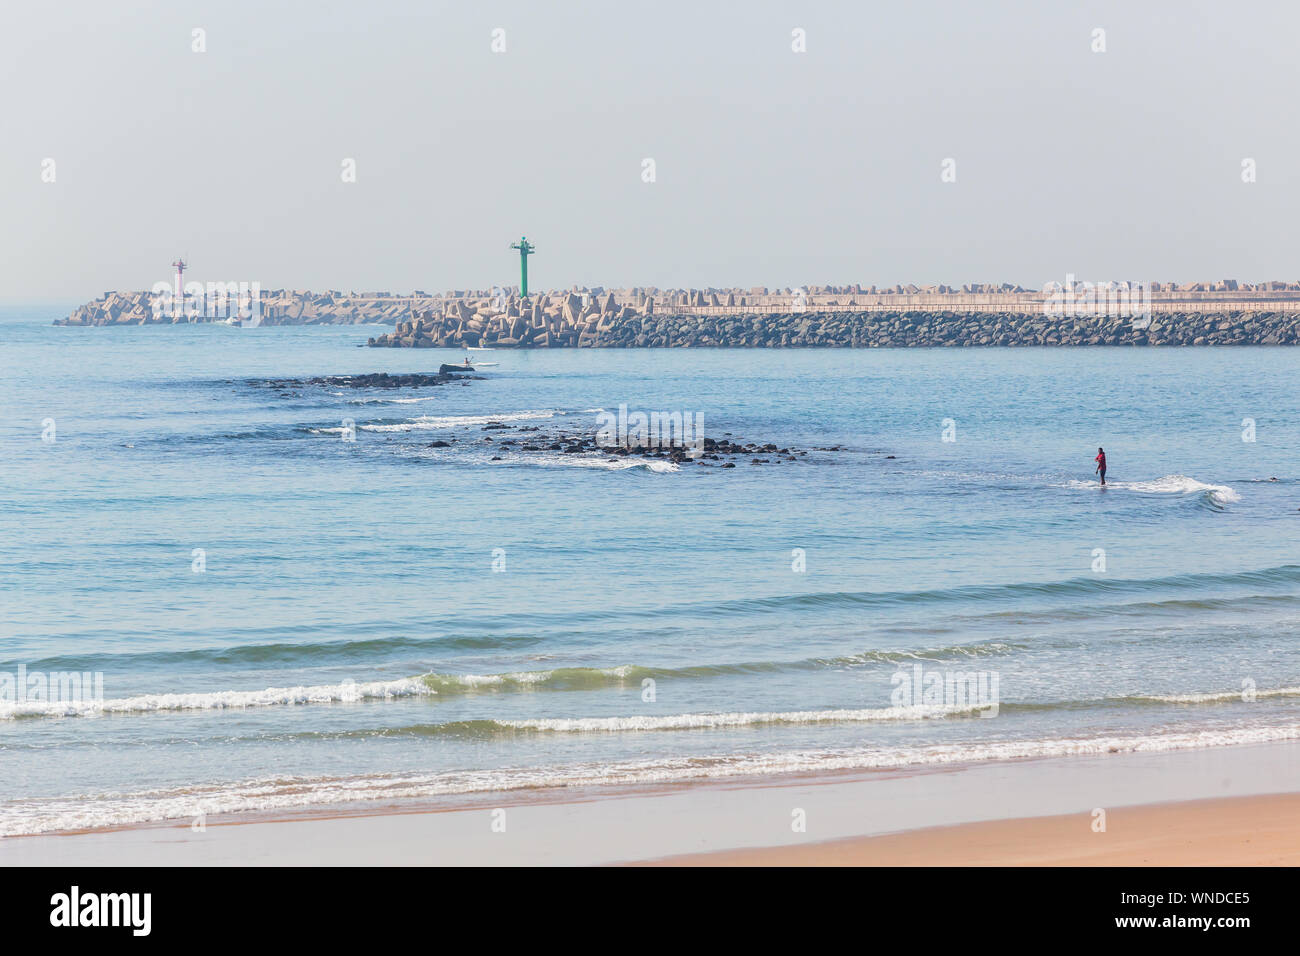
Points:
x=344 y=692
x=1168 y=485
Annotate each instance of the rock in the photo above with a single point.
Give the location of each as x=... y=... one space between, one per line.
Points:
x=373 y=380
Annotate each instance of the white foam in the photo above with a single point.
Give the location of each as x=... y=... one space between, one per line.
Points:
x=496 y=680
x=600 y=463
x=1232 y=695
x=220 y=700
x=392 y=401
x=438 y=422
x=280 y=793
x=1167 y=485
x=584 y=725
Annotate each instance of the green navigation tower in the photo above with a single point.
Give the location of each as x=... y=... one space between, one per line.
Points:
x=526 y=249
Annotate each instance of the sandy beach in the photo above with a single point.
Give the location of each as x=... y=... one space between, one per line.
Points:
x=1245 y=831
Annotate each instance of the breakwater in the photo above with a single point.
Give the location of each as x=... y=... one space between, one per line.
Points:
x=844 y=330
x=1218 y=313
x=273 y=307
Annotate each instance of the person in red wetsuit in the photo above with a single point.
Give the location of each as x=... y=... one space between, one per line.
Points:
x=1101 y=464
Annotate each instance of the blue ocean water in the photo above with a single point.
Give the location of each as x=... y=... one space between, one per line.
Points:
x=284 y=618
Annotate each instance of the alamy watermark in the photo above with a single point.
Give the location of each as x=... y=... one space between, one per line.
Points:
x=946 y=690
x=1130 y=300
x=76 y=909
x=75 y=688
x=668 y=430
x=212 y=300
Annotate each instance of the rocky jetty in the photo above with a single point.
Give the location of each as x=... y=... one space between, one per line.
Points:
x=1225 y=312
x=275 y=307
x=621 y=329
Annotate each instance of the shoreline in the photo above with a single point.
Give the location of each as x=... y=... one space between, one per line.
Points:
x=961 y=814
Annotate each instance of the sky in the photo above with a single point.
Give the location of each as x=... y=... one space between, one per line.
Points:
x=771 y=166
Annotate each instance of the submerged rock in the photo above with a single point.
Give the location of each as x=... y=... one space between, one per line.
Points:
x=372 y=380
x=551 y=440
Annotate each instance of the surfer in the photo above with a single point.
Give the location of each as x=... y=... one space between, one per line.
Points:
x=1101 y=464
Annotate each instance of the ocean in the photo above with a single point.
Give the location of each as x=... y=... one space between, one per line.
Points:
x=271 y=616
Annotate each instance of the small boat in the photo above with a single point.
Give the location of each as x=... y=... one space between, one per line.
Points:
x=480 y=348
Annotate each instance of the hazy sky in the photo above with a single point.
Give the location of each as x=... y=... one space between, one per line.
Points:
x=772 y=167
